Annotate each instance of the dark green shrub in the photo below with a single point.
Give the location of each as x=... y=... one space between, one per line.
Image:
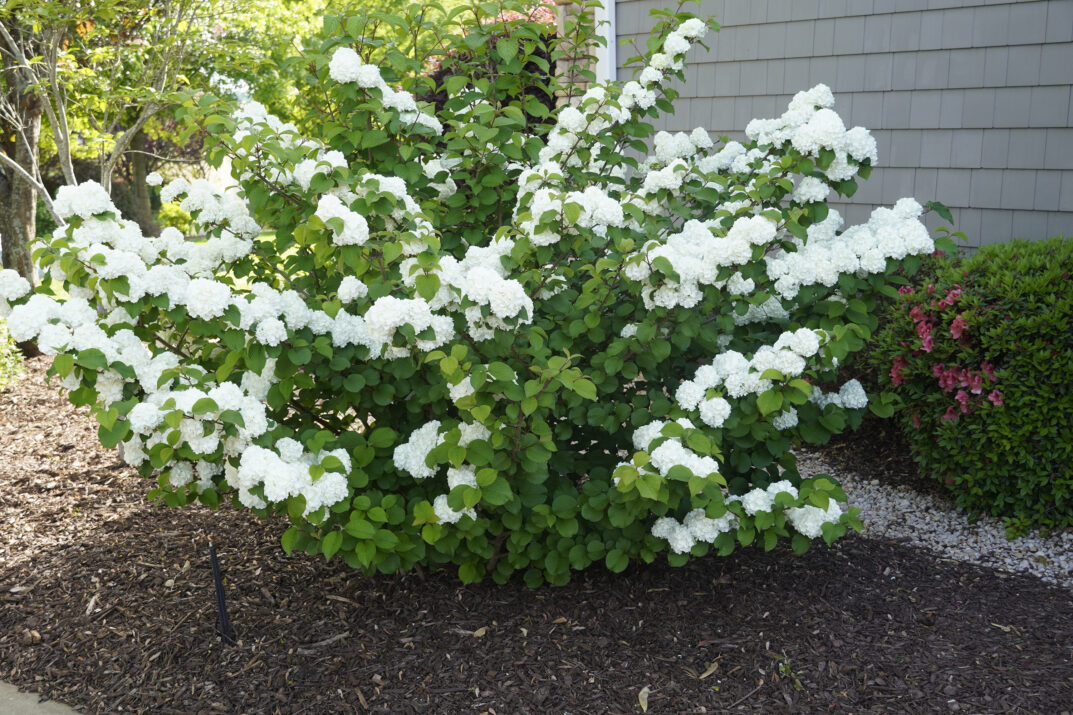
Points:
x=979 y=360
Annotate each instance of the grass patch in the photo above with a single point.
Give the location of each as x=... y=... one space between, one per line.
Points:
x=10 y=359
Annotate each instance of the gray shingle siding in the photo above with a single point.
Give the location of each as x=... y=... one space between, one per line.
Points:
x=970 y=102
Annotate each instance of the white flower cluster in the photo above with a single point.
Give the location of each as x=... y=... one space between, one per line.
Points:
x=740 y=376
x=809 y=520
x=810 y=125
x=671 y=451
x=699 y=528
x=12 y=287
x=323 y=164
x=433 y=169
x=477 y=287
x=667 y=147
x=695 y=528
x=85 y=200
x=410 y=456
x=696 y=254
x=851 y=396
x=285 y=473
x=355 y=231
x=889 y=233
x=346 y=66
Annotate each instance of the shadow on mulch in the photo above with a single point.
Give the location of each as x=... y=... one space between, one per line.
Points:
x=108 y=606
x=879 y=449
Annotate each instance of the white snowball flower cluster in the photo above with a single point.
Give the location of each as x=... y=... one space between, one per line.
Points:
x=671 y=451
x=850 y=396
x=436 y=167
x=351 y=289
x=446 y=514
x=12 y=287
x=810 y=125
x=811 y=189
x=85 y=200
x=284 y=472
x=410 y=455
x=389 y=313
x=740 y=376
x=809 y=520
x=890 y=233
x=324 y=164
x=695 y=528
x=355 y=230
x=154 y=179
x=209 y=206
x=346 y=66
x=479 y=280
x=667 y=147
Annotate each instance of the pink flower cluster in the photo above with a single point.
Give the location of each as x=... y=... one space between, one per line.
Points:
x=924 y=325
x=966 y=382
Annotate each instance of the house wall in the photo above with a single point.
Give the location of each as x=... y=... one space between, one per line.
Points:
x=969 y=101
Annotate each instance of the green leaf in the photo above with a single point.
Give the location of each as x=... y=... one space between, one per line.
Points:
x=289 y=540
x=940 y=209
x=486 y=476
x=110 y=438
x=385 y=540
x=228 y=365
x=359 y=528
x=64 y=364
x=585 y=388
x=382 y=437
x=91 y=359
x=507 y=47
x=205 y=405
x=427 y=285
x=330 y=544
x=424 y=513
x=648 y=486
x=498 y=492
x=255 y=357
x=679 y=473
x=768 y=402
x=366 y=552
x=616 y=561
x=469 y=572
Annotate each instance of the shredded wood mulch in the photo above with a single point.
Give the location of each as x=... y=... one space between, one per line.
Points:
x=108 y=605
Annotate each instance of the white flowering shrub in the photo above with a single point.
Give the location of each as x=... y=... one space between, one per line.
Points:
x=612 y=363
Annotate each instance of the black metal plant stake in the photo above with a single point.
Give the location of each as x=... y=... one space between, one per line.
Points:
x=221 y=604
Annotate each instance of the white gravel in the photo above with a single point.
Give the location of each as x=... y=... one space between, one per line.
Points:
x=906 y=516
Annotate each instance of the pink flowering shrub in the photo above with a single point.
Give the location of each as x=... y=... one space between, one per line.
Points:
x=973 y=357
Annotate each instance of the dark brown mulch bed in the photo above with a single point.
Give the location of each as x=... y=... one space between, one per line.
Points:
x=108 y=606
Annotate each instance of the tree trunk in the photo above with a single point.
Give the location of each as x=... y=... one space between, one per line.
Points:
x=18 y=202
x=141 y=210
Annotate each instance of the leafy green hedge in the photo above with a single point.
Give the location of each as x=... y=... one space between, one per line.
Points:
x=979 y=361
